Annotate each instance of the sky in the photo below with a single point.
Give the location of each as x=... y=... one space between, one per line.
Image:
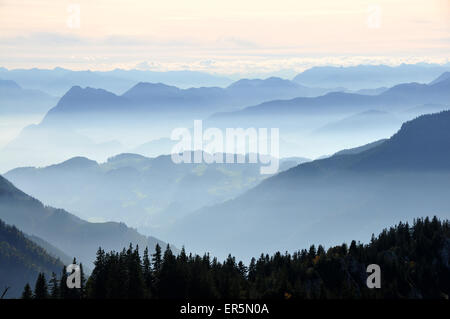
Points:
x=225 y=37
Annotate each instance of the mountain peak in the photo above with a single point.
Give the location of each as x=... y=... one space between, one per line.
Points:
x=126 y=156
x=77 y=90
x=147 y=89
x=9 y=84
x=443 y=77
x=429 y=127
x=78 y=99
x=261 y=83
x=76 y=163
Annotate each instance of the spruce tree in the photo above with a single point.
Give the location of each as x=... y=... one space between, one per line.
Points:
x=76 y=293
x=156 y=259
x=73 y=293
x=27 y=292
x=157 y=262
x=97 y=280
x=136 y=284
x=63 y=289
x=41 y=289
x=82 y=282
x=54 y=287
x=147 y=272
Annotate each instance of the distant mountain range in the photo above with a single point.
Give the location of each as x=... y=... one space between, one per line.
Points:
x=95 y=123
x=158 y=98
x=443 y=77
x=369 y=76
x=14 y=100
x=58 y=80
x=149 y=193
x=375 y=91
x=333 y=199
x=70 y=234
x=393 y=99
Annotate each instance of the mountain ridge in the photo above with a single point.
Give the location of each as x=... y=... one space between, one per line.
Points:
x=65 y=231
x=333 y=198
x=21 y=260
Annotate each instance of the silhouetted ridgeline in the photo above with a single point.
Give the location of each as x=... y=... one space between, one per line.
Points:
x=343 y=197
x=21 y=260
x=414 y=263
x=63 y=230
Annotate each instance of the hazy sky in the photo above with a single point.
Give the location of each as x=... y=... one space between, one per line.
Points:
x=228 y=36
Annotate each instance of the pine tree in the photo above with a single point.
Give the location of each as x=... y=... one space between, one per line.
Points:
x=27 y=292
x=41 y=289
x=156 y=259
x=320 y=250
x=353 y=248
x=63 y=289
x=136 y=283
x=312 y=251
x=71 y=293
x=157 y=263
x=54 y=287
x=97 y=280
x=147 y=272
x=252 y=270
x=168 y=279
x=82 y=283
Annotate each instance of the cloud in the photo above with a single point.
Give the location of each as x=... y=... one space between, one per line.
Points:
x=236 y=42
x=44 y=38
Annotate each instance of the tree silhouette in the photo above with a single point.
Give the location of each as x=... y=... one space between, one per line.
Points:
x=27 y=292
x=41 y=289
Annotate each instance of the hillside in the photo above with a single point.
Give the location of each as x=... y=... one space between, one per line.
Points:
x=148 y=193
x=15 y=100
x=395 y=98
x=360 y=149
x=443 y=77
x=22 y=260
x=58 y=80
x=413 y=262
x=72 y=235
x=158 y=98
x=333 y=199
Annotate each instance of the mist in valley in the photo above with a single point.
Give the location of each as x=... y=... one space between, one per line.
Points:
x=107 y=157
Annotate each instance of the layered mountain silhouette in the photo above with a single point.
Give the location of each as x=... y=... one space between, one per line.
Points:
x=394 y=99
x=58 y=80
x=360 y=149
x=333 y=199
x=95 y=123
x=161 y=98
x=21 y=261
x=149 y=193
x=369 y=76
x=72 y=235
x=15 y=100
x=443 y=77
